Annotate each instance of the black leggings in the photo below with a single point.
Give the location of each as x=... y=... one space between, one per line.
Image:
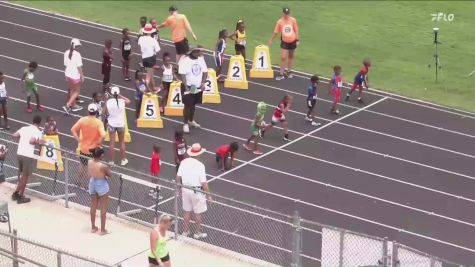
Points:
x=190 y=101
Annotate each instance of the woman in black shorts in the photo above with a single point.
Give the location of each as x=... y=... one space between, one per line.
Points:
x=149 y=48
x=126 y=49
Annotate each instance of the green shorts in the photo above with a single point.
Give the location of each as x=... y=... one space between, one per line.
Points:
x=31 y=90
x=26 y=165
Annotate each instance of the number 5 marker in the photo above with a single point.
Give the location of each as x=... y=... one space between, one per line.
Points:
x=236 y=73
x=149 y=113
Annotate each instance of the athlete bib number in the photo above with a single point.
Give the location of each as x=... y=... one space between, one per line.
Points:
x=150 y=110
x=127 y=47
x=49 y=153
x=236 y=71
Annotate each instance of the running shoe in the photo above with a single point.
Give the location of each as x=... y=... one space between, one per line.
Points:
x=79 y=101
x=279 y=77
x=127 y=79
x=200 y=235
x=111 y=163
x=360 y=100
x=257 y=152
x=67 y=109
x=15 y=196
x=307 y=118
x=287 y=138
x=124 y=162
x=290 y=75
x=316 y=123
x=186 y=128
x=247 y=147
x=347 y=98
x=336 y=112
x=76 y=108
x=41 y=108
x=22 y=199
x=194 y=124
x=261 y=133
x=29 y=110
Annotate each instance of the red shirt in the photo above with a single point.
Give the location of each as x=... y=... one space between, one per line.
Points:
x=223 y=150
x=155 y=164
x=279 y=110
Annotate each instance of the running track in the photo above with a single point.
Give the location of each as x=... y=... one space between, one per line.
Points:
x=395 y=168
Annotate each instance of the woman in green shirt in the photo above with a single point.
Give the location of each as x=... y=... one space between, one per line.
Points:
x=159 y=255
x=30 y=87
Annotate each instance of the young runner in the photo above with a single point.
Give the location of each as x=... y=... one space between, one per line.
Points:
x=239 y=37
x=360 y=78
x=126 y=49
x=140 y=88
x=219 y=53
x=107 y=62
x=180 y=146
x=312 y=100
x=155 y=35
x=30 y=86
x=225 y=156
x=336 y=83
x=256 y=127
x=155 y=164
x=3 y=101
x=50 y=127
x=169 y=71
x=279 y=116
x=98 y=100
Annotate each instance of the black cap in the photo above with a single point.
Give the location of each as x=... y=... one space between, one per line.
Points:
x=172 y=8
x=286 y=10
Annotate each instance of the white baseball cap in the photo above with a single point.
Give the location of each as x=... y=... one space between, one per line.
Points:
x=115 y=90
x=75 y=42
x=92 y=107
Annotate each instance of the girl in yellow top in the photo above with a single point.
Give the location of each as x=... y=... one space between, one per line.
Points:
x=239 y=36
x=159 y=255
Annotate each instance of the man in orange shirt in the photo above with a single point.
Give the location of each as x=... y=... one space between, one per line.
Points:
x=289 y=30
x=179 y=25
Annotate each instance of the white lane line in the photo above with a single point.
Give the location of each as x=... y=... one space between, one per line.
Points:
x=292 y=152
x=115 y=30
x=334 y=211
x=263 y=85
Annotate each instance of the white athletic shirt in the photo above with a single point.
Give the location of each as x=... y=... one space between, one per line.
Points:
x=116 y=112
x=24 y=146
x=3 y=90
x=167 y=75
x=192 y=172
x=193 y=69
x=148 y=46
x=72 y=64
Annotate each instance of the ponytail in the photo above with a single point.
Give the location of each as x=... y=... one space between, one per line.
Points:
x=116 y=96
x=71 y=49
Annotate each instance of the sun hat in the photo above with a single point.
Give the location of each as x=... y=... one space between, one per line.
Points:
x=115 y=90
x=92 y=107
x=148 y=28
x=195 y=150
x=75 y=42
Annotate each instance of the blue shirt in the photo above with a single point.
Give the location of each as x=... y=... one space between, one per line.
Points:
x=312 y=92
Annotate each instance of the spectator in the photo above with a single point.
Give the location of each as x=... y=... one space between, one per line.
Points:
x=29 y=137
x=3 y=102
x=126 y=49
x=115 y=110
x=225 y=156
x=159 y=255
x=98 y=188
x=50 y=127
x=192 y=175
x=74 y=75
x=289 y=30
x=149 y=48
x=179 y=25
x=89 y=132
x=107 y=58
x=193 y=71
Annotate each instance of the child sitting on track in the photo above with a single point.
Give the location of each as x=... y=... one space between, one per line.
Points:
x=279 y=116
x=336 y=83
x=257 y=125
x=225 y=156
x=360 y=78
x=312 y=100
x=219 y=53
x=30 y=87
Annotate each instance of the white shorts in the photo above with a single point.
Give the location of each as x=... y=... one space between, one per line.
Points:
x=192 y=201
x=275 y=120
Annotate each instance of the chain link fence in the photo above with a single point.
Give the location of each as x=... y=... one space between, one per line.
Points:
x=234 y=228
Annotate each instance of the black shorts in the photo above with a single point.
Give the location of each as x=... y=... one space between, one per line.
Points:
x=84 y=158
x=149 y=62
x=154 y=261
x=182 y=47
x=3 y=100
x=239 y=48
x=288 y=46
x=125 y=55
x=193 y=99
x=311 y=103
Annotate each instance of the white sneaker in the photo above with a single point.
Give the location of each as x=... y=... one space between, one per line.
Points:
x=194 y=124
x=316 y=123
x=200 y=235
x=111 y=163
x=186 y=128
x=124 y=162
x=308 y=118
x=185 y=233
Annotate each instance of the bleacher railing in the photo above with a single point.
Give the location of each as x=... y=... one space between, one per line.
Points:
x=241 y=230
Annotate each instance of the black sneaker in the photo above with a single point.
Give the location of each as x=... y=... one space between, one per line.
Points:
x=22 y=199
x=347 y=98
x=15 y=196
x=279 y=77
x=286 y=138
x=360 y=100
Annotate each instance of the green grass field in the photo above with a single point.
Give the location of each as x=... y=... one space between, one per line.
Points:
x=397 y=35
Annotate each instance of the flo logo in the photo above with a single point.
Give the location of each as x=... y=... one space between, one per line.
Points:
x=441 y=16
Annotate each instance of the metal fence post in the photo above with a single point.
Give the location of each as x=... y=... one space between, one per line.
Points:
x=66 y=182
x=157 y=190
x=176 y=210
x=15 y=248
x=342 y=247
x=395 y=256
x=384 y=258
x=119 y=200
x=296 y=241
x=58 y=258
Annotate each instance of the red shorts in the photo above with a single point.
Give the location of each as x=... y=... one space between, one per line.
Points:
x=336 y=95
x=73 y=81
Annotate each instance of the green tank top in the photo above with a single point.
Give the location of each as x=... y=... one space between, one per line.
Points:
x=29 y=80
x=161 y=249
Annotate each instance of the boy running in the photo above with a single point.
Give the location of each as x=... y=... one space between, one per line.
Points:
x=312 y=100
x=279 y=116
x=256 y=127
x=30 y=87
x=336 y=83
x=360 y=78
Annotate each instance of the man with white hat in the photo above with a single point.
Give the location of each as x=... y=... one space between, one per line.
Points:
x=149 y=48
x=195 y=191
